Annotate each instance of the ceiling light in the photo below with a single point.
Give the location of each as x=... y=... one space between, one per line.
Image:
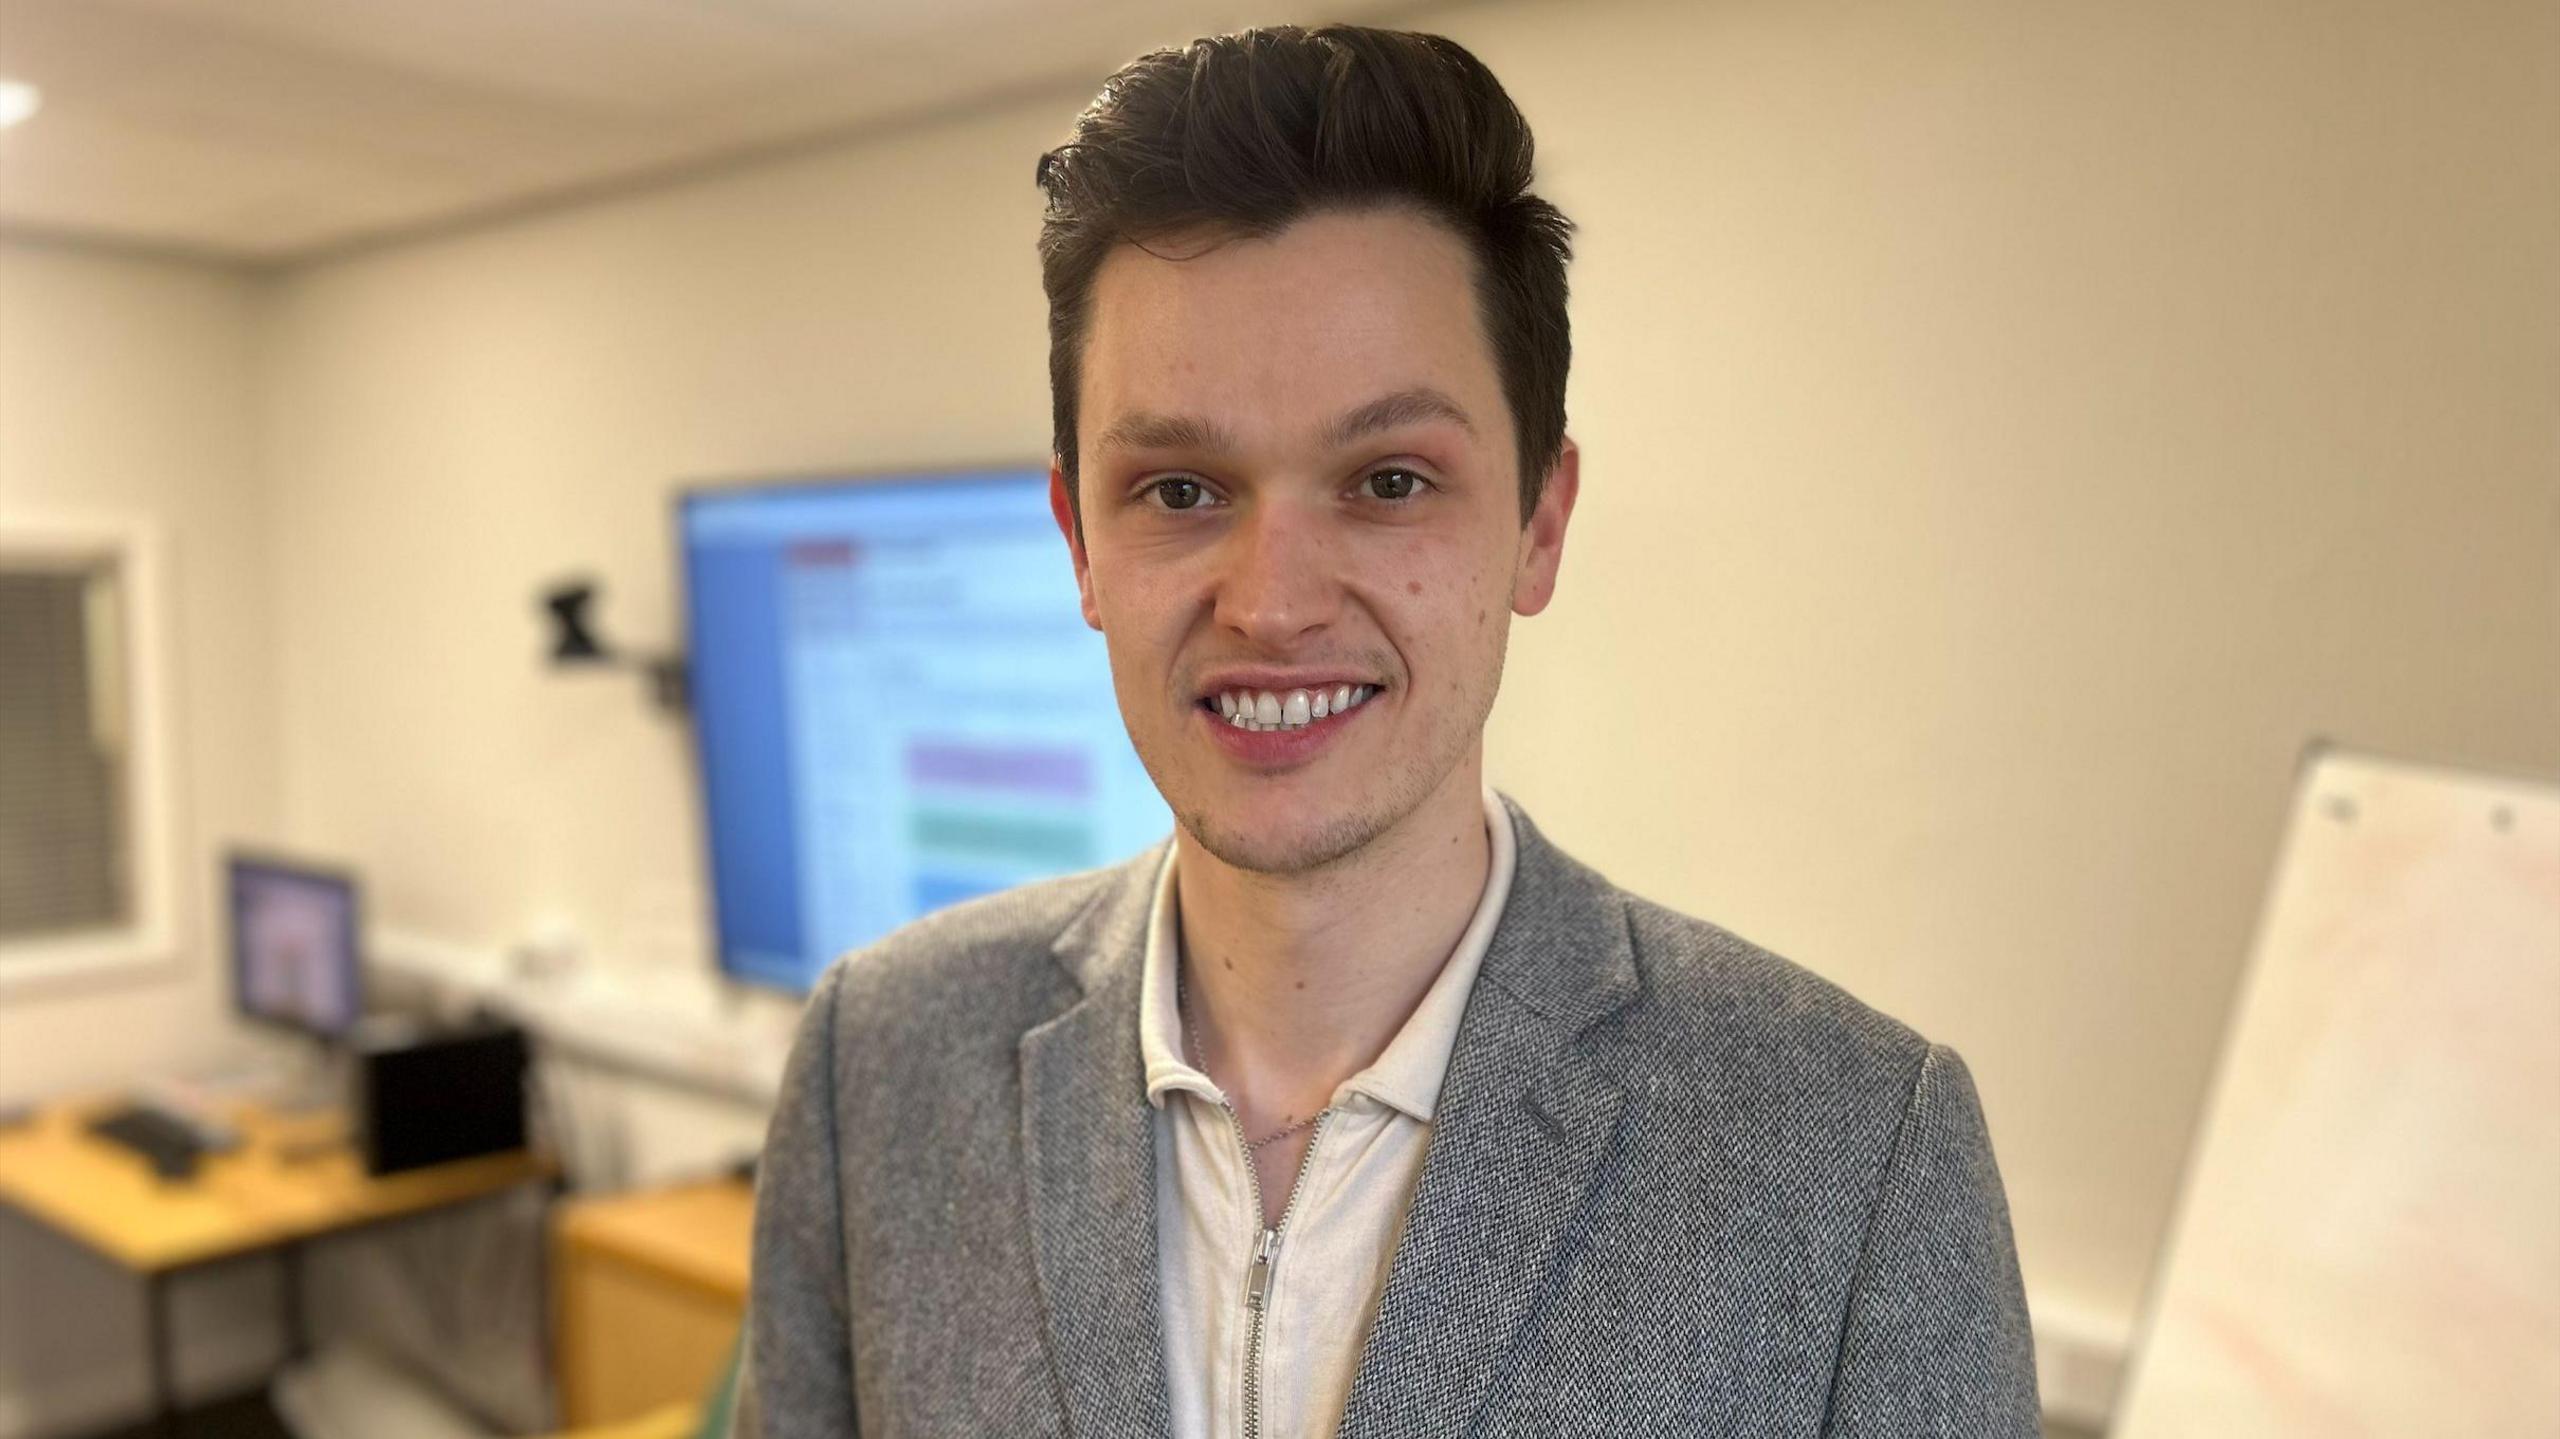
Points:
x=18 y=100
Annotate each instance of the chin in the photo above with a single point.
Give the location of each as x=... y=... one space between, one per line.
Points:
x=1289 y=832
x=1286 y=849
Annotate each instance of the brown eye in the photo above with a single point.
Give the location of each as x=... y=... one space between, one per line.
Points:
x=1177 y=494
x=1391 y=484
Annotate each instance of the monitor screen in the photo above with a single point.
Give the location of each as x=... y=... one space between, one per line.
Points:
x=295 y=954
x=899 y=706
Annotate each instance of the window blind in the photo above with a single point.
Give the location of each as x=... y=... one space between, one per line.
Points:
x=63 y=862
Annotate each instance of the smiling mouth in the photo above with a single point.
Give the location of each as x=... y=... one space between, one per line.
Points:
x=1259 y=710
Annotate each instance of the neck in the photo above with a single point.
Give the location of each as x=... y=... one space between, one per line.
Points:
x=1297 y=982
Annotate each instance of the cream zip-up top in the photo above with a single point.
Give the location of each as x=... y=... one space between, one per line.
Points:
x=1331 y=1261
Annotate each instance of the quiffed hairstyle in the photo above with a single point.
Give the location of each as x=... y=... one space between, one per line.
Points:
x=1241 y=135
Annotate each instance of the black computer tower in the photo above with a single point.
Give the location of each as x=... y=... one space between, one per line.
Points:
x=424 y=1098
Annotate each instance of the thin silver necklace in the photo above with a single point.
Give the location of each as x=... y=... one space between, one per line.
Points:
x=1191 y=1051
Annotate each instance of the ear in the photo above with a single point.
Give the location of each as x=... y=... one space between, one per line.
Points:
x=1542 y=538
x=1062 y=507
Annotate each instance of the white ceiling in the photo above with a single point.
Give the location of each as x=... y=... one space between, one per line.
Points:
x=269 y=131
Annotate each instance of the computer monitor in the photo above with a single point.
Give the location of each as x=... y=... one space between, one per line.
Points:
x=898 y=706
x=296 y=955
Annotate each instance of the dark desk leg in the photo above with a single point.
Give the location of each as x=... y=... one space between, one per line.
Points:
x=297 y=1331
x=164 y=1385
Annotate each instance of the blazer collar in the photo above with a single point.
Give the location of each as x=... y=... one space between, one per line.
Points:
x=1562 y=949
x=1088 y=1145
x=1524 y=1117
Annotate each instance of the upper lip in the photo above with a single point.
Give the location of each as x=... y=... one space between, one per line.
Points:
x=1277 y=681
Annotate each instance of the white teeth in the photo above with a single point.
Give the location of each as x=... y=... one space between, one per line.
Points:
x=1260 y=710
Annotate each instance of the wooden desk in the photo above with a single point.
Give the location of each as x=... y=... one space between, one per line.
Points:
x=293 y=1178
x=651 y=1291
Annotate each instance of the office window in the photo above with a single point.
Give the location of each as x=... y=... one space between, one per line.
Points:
x=80 y=881
x=63 y=767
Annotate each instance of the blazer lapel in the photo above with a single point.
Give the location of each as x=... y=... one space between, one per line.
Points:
x=1523 y=1122
x=1088 y=1140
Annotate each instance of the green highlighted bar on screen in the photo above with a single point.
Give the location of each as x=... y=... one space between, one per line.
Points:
x=1059 y=844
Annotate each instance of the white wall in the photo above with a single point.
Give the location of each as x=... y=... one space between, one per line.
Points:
x=127 y=390
x=2012 y=431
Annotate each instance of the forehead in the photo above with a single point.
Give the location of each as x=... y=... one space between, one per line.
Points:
x=1270 y=336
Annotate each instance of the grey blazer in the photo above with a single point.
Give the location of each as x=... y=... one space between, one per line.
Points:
x=1677 y=1186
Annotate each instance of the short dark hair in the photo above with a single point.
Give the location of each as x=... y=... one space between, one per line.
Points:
x=1241 y=135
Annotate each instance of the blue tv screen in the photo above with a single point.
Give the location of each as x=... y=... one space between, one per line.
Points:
x=898 y=706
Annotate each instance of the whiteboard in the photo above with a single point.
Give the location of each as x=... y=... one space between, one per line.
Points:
x=2369 y=1238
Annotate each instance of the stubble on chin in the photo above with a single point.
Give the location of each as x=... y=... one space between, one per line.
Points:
x=1261 y=852
x=1335 y=839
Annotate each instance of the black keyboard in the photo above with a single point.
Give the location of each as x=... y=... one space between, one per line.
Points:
x=170 y=1143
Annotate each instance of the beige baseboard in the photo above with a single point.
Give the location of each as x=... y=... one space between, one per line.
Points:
x=2080 y=1360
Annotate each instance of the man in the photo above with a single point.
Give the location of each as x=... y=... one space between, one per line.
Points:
x=1357 y=1107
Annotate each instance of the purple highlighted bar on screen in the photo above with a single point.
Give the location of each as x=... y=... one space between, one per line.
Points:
x=1064 y=772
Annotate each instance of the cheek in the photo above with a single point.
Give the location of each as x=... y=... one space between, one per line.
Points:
x=1119 y=589
x=1450 y=602
x=1144 y=609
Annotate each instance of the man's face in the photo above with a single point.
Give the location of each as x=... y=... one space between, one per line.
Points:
x=1298 y=478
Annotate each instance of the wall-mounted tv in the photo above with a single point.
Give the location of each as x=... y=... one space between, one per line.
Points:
x=898 y=706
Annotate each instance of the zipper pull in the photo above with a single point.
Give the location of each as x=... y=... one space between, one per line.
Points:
x=1257 y=1281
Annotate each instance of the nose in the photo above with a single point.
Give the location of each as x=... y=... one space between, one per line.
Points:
x=1276 y=581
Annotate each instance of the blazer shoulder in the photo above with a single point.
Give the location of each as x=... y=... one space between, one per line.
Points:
x=1764 y=1021
x=974 y=955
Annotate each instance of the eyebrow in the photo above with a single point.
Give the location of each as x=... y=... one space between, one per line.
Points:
x=1404 y=407
x=1142 y=430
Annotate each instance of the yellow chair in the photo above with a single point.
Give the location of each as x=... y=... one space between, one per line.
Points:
x=707 y=1418
x=680 y=1420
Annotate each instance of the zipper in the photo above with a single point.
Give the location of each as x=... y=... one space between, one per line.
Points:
x=1266 y=1253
